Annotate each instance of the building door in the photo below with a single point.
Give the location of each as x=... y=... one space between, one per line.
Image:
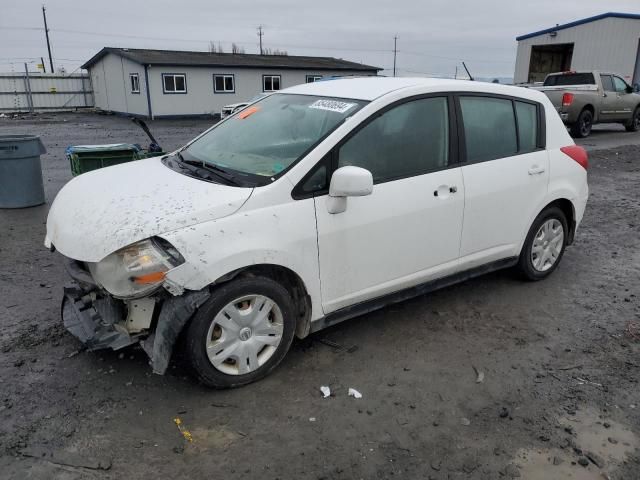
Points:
x=546 y=59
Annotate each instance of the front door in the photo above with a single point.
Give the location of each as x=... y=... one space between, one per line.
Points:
x=625 y=100
x=505 y=176
x=408 y=230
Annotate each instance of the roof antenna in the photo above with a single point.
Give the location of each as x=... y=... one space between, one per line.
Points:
x=468 y=73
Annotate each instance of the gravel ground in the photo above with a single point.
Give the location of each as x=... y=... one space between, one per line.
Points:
x=559 y=396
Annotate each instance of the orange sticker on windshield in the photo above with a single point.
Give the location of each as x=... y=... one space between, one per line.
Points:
x=247 y=111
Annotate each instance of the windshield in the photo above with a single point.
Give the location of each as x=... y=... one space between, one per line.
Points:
x=267 y=137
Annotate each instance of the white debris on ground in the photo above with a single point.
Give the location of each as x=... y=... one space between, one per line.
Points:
x=354 y=393
x=326 y=391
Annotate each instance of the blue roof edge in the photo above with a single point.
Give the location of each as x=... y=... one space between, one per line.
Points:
x=579 y=22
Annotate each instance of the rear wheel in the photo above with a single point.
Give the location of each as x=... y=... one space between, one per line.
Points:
x=544 y=245
x=241 y=333
x=634 y=124
x=582 y=128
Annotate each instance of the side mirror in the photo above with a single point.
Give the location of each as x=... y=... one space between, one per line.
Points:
x=629 y=90
x=348 y=182
x=636 y=88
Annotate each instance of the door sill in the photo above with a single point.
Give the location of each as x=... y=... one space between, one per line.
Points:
x=368 y=306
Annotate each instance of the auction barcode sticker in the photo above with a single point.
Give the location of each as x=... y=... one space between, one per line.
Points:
x=332 y=105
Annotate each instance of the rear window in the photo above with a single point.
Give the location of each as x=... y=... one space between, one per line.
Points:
x=570 y=79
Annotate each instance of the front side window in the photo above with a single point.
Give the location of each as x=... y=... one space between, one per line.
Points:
x=489 y=128
x=174 y=83
x=270 y=83
x=313 y=78
x=620 y=84
x=409 y=139
x=135 y=82
x=270 y=135
x=527 y=114
x=224 y=84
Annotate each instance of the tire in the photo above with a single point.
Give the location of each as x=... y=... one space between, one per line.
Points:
x=634 y=124
x=241 y=339
x=582 y=128
x=537 y=266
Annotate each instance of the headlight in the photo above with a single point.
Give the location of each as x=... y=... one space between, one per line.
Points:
x=136 y=270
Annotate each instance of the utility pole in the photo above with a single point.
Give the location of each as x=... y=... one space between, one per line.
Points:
x=44 y=67
x=260 y=34
x=395 y=51
x=46 y=32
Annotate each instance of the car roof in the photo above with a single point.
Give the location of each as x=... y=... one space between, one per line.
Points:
x=370 y=88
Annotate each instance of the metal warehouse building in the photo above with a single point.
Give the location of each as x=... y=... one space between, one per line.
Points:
x=609 y=42
x=165 y=83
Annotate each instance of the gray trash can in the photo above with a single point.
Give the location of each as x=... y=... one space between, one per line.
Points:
x=21 y=171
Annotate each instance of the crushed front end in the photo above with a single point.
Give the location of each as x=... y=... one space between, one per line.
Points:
x=121 y=301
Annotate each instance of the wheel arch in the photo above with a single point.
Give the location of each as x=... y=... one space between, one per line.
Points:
x=288 y=279
x=569 y=211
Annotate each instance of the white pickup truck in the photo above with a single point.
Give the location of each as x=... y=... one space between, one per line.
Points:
x=585 y=98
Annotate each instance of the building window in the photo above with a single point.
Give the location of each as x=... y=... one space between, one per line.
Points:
x=270 y=83
x=174 y=83
x=224 y=84
x=134 y=79
x=313 y=78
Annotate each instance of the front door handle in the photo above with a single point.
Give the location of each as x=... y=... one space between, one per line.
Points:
x=536 y=170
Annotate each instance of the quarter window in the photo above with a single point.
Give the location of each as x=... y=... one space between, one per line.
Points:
x=489 y=128
x=174 y=83
x=270 y=83
x=410 y=139
x=527 y=114
x=313 y=78
x=224 y=84
x=134 y=79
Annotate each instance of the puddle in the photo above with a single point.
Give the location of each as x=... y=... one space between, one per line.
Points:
x=610 y=444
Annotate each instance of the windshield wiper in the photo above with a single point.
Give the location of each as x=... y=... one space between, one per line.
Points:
x=220 y=172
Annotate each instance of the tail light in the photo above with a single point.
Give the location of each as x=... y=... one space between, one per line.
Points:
x=578 y=154
x=567 y=99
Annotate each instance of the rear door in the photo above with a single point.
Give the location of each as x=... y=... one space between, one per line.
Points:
x=506 y=174
x=609 y=105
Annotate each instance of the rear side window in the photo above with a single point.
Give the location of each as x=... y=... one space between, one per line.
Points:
x=570 y=79
x=409 y=139
x=489 y=128
x=527 y=115
x=607 y=83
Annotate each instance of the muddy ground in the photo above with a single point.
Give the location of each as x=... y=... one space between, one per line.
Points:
x=560 y=368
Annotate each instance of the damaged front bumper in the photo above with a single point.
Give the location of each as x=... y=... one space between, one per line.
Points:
x=100 y=321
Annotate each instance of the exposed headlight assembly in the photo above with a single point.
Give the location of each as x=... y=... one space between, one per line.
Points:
x=136 y=270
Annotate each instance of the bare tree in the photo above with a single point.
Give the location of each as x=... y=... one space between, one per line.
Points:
x=213 y=48
x=268 y=51
x=235 y=49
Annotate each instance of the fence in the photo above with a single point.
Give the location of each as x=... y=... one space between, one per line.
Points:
x=37 y=92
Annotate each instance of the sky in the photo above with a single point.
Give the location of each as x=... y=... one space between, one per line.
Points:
x=434 y=36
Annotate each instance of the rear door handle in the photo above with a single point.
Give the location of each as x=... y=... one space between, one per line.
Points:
x=536 y=170
x=442 y=190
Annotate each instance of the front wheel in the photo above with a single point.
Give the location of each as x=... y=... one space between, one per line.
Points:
x=634 y=123
x=241 y=333
x=582 y=128
x=544 y=245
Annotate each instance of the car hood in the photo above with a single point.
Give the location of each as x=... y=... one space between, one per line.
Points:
x=101 y=211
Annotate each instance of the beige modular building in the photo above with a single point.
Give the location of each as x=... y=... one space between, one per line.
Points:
x=608 y=42
x=167 y=83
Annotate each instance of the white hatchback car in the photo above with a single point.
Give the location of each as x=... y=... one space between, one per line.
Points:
x=316 y=204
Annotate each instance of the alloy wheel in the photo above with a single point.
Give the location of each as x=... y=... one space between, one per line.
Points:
x=244 y=334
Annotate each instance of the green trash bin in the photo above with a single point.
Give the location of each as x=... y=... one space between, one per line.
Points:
x=85 y=158
x=21 y=171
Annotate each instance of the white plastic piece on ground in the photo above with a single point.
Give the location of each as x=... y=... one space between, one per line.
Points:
x=326 y=391
x=354 y=393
